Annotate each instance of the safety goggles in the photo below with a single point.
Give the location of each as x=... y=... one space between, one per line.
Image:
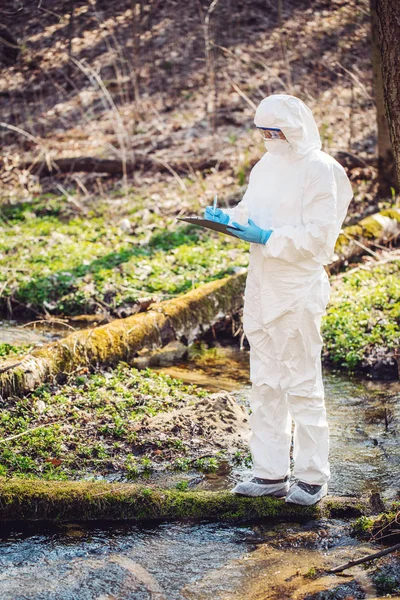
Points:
x=271 y=133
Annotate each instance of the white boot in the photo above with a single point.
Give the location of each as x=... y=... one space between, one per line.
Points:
x=306 y=494
x=263 y=487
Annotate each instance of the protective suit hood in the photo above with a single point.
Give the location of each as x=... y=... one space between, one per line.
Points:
x=294 y=118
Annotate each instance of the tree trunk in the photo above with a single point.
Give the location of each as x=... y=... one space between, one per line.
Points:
x=388 y=13
x=136 y=49
x=387 y=178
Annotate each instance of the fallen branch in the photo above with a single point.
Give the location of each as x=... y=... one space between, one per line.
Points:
x=185 y=317
x=359 y=561
x=91 y=164
x=63 y=501
x=394 y=255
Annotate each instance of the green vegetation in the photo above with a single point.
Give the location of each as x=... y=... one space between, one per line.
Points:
x=70 y=262
x=182 y=486
x=72 y=501
x=73 y=264
x=11 y=350
x=312 y=573
x=364 y=316
x=384 y=525
x=364 y=525
x=90 y=425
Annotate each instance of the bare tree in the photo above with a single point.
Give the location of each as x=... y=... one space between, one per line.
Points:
x=210 y=50
x=388 y=17
x=137 y=10
x=387 y=179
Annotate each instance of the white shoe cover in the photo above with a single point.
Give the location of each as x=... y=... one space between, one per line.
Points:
x=298 y=495
x=251 y=488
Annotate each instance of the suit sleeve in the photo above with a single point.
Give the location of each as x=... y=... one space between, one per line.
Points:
x=316 y=236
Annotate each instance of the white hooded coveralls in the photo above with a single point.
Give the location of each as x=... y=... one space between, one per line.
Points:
x=302 y=194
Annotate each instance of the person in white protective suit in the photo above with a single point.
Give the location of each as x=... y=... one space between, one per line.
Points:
x=292 y=213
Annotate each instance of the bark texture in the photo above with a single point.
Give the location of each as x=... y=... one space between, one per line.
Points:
x=183 y=318
x=63 y=501
x=388 y=13
x=387 y=178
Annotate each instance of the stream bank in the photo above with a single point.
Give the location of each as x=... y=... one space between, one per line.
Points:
x=360 y=330
x=124 y=424
x=184 y=561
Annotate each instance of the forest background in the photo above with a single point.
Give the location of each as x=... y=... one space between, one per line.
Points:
x=117 y=117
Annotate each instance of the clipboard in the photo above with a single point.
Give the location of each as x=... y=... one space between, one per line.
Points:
x=207 y=224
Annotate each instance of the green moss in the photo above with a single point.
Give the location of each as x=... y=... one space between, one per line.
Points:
x=368 y=228
x=312 y=573
x=79 y=501
x=123 y=338
x=371 y=228
x=391 y=213
x=363 y=525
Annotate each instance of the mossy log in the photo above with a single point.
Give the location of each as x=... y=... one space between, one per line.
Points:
x=62 y=501
x=379 y=228
x=182 y=318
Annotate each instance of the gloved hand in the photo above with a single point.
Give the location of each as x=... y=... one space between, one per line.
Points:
x=251 y=232
x=216 y=215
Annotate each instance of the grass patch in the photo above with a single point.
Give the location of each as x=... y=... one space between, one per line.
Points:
x=7 y=350
x=363 y=317
x=89 y=425
x=70 y=265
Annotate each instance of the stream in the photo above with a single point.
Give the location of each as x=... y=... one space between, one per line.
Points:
x=178 y=561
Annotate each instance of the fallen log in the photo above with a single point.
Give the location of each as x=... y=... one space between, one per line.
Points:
x=381 y=228
x=141 y=160
x=183 y=318
x=92 y=164
x=63 y=501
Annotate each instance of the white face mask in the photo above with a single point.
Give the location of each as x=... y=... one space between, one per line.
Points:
x=277 y=146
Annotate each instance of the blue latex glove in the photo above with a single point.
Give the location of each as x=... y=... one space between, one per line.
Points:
x=251 y=232
x=216 y=215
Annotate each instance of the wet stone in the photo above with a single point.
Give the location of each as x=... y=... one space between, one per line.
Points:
x=342 y=592
x=386 y=577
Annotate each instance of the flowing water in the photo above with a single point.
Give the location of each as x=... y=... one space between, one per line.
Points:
x=175 y=561
x=201 y=561
x=364 y=418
